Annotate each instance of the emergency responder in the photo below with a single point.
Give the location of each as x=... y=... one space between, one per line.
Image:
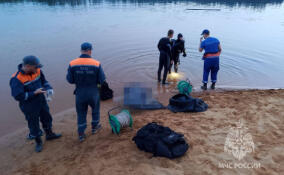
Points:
x=177 y=48
x=28 y=86
x=164 y=47
x=213 y=50
x=86 y=73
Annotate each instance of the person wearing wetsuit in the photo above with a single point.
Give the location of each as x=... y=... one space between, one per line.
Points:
x=177 y=48
x=164 y=47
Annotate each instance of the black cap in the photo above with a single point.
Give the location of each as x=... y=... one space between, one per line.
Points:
x=32 y=60
x=86 y=46
x=205 y=31
x=180 y=35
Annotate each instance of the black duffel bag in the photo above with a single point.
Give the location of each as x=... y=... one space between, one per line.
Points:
x=184 y=103
x=161 y=141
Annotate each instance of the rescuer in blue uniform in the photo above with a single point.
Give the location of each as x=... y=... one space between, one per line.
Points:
x=86 y=73
x=165 y=46
x=28 y=86
x=213 y=50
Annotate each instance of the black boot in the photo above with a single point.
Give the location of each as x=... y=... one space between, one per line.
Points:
x=96 y=128
x=170 y=69
x=82 y=137
x=204 y=87
x=165 y=82
x=38 y=147
x=176 y=68
x=213 y=85
x=51 y=135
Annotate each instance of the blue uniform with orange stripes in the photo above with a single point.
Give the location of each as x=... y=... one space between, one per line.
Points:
x=211 y=58
x=33 y=106
x=86 y=73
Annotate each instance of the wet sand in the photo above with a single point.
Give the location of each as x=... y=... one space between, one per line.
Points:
x=104 y=153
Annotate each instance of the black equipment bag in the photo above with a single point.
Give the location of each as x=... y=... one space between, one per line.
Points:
x=105 y=92
x=161 y=141
x=184 y=103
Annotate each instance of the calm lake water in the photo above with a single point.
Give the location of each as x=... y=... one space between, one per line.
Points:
x=125 y=34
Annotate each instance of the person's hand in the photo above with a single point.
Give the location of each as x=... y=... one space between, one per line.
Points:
x=39 y=91
x=172 y=62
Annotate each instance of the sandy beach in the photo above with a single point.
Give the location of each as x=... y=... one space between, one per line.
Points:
x=262 y=112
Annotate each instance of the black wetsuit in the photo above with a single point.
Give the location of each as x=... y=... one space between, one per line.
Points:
x=164 y=47
x=177 y=48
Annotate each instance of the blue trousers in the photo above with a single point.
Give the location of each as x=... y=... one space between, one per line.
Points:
x=211 y=65
x=39 y=114
x=84 y=98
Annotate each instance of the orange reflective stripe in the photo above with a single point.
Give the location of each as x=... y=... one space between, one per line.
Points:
x=85 y=61
x=24 y=78
x=212 y=55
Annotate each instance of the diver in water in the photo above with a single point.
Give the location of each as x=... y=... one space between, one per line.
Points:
x=165 y=46
x=177 y=48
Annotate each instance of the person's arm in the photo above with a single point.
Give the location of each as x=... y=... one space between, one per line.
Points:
x=219 y=47
x=183 y=49
x=101 y=75
x=44 y=82
x=201 y=46
x=159 y=45
x=17 y=90
x=70 y=76
x=169 y=49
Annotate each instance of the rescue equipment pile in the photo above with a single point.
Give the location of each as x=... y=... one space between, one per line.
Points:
x=161 y=141
x=183 y=102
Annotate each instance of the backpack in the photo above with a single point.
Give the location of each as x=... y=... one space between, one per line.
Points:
x=161 y=141
x=105 y=92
